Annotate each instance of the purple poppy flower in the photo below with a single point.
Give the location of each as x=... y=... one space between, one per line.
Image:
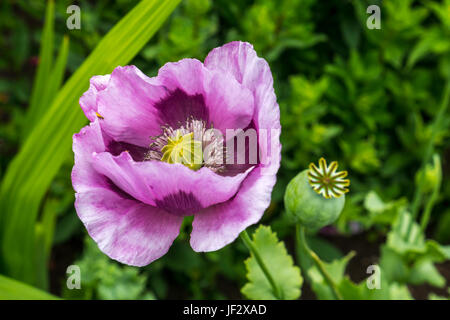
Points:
x=133 y=183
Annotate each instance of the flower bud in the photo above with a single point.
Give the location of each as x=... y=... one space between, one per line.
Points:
x=430 y=176
x=315 y=197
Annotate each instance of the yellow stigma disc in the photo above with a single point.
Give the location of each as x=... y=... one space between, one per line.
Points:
x=183 y=149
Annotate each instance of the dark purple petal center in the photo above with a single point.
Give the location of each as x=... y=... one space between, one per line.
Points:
x=137 y=153
x=178 y=106
x=180 y=204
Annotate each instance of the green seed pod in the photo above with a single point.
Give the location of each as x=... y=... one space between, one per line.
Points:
x=315 y=197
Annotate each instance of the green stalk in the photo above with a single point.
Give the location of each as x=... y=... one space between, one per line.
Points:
x=432 y=199
x=428 y=152
x=249 y=244
x=301 y=241
x=430 y=148
x=428 y=207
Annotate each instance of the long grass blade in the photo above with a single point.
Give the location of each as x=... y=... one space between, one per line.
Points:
x=57 y=75
x=11 y=289
x=40 y=93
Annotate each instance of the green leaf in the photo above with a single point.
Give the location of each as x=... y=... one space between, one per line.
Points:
x=410 y=259
x=351 y=31
x=279 y=263
x=433 y=41
x=39 y=93
x=354 y=291
x=393 y=266
x=399 y=292
x=103 y=278
x=442 y=233
x=285 y=44
x=336 y=269
x=21 y=44
x=414 y=245
x=381 y=212
x=57 y=75
x=324 y=249
x=402 y=241
x=433 y=296
x=48 y=145
x=387 y=291
x=121 y=284
x=373 y=203
x=14 y=290
x=425 y=271
x=45 y=228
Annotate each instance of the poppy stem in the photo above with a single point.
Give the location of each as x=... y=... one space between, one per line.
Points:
x=254 y=251
x=433 y=197
x=301 y=241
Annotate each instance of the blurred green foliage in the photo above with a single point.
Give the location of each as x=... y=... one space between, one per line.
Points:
x=101 y=279
x=363 y=97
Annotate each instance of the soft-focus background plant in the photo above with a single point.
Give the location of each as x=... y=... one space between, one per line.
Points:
x=366 y=98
